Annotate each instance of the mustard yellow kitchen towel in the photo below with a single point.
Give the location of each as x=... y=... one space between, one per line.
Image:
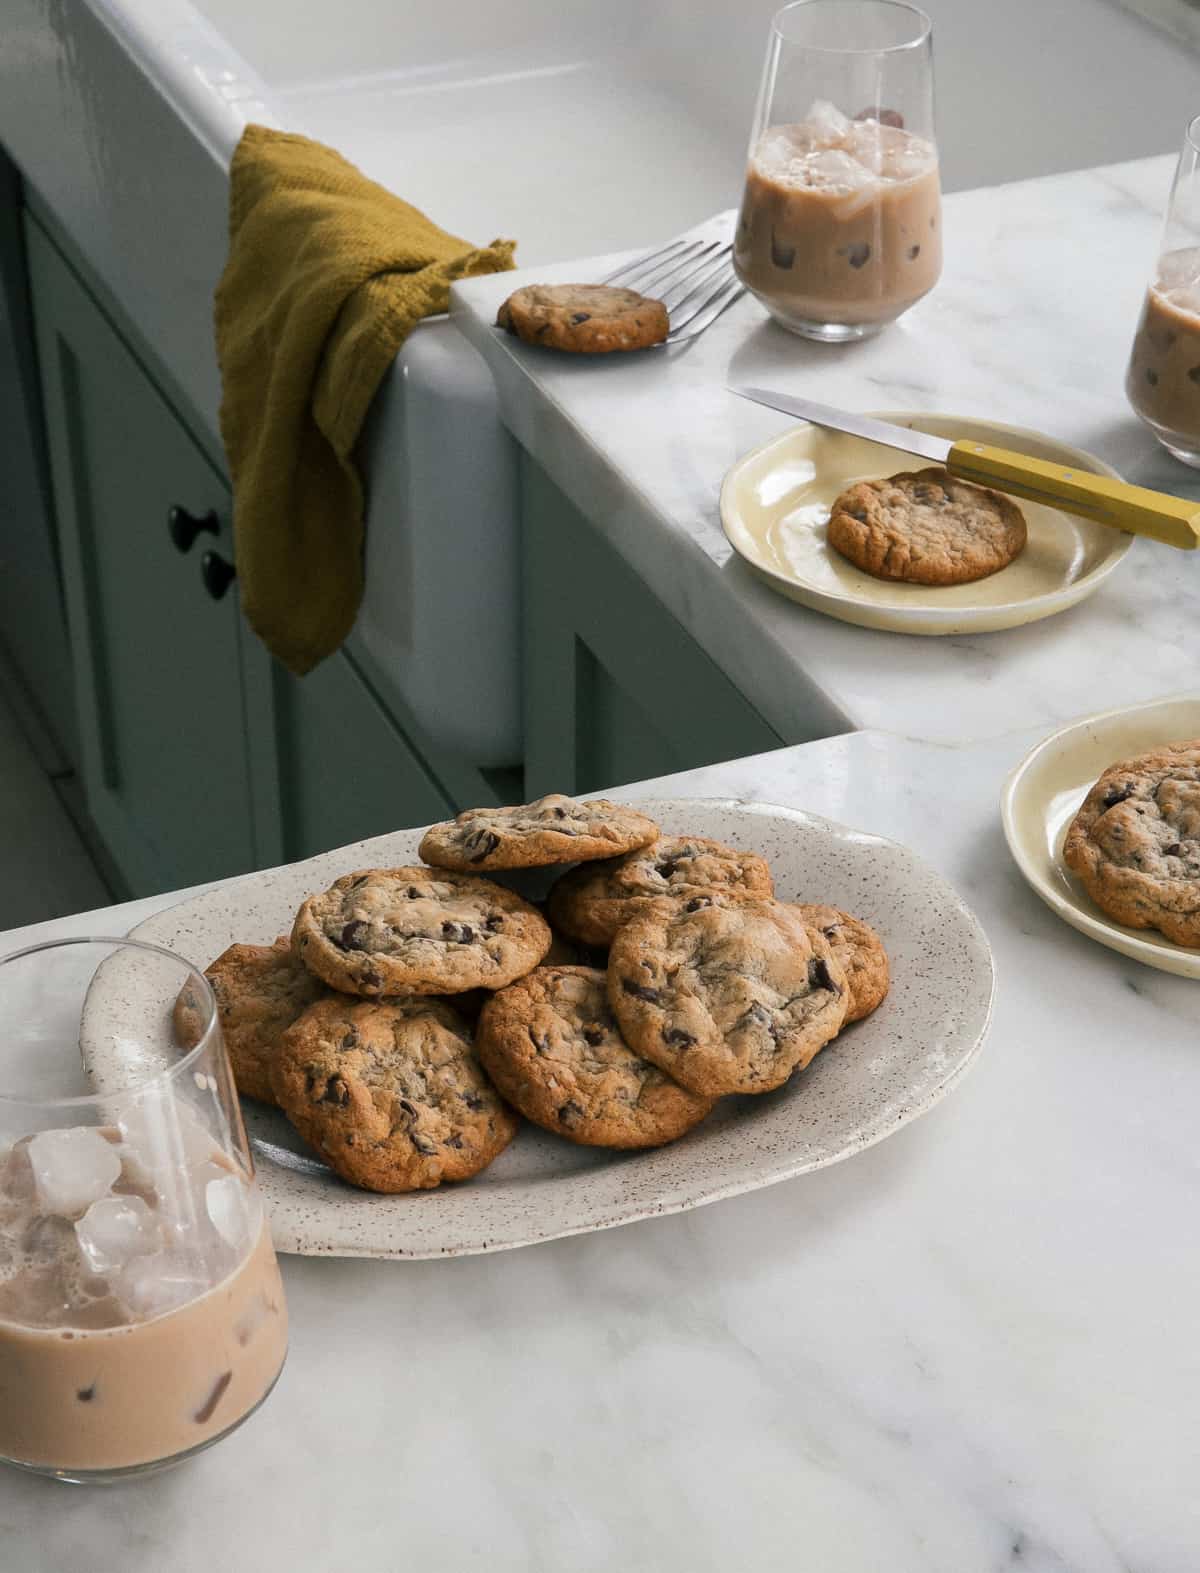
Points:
x=327 y=275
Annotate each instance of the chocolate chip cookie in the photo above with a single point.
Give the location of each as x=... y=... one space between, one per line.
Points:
x=260 y=991
x=390 y=1092
x=591 y=904
x=420 y=931
x=924 y=527
x=555 y=829
x=587 y=319
x=1135 y=843
x=725 y=996
x=860 y=953
x=551 y=1044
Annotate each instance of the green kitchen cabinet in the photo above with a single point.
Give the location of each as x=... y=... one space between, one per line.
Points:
x=345 y=768
x=616 y=690
x=33 y=623
x=155 y=633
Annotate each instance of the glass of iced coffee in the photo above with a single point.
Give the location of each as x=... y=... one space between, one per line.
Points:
x=1163 y=381
x=141 y=1310
x=840 y=225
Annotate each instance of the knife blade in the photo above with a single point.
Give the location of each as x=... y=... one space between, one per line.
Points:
x=1173 y=520
x=935 y=448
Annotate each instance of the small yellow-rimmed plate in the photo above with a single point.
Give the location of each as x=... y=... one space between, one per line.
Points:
x=1043 y=793
x=775 y=505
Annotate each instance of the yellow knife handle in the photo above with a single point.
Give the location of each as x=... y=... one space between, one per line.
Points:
x=1136 y=509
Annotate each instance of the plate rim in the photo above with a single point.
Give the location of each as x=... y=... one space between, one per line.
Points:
x=948 y=620
x=719 y=1190
x=1179 y=961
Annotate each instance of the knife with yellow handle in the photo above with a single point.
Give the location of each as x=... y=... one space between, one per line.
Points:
x=1136 y=509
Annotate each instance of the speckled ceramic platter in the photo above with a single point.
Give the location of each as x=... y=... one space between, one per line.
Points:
x=1043 y=794
x=877 y=1075
x=775 y=506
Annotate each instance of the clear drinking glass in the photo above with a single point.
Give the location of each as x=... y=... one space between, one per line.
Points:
x=141 y=1311
x=840 y=225
x=1163 y=381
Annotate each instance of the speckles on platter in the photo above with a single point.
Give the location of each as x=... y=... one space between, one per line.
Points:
x=876 y=1076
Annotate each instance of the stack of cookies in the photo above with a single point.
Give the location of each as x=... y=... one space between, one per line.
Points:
x=671 y=977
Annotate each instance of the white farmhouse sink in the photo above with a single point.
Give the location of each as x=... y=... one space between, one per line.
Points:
x=544 y=121
x=563 y=123
x=576 y=126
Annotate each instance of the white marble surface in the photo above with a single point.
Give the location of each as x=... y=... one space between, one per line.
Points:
x=1031 y=324
x=969 y=1349
x=1179 y=18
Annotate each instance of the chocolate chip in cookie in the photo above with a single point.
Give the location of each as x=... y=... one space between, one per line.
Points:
x=586 y=319
x=551 y=1044
x=859 y=950
x=925 y=527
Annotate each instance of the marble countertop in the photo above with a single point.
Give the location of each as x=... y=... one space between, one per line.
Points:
x=971 y=1348
x=1179 y=18
x=1031 y=325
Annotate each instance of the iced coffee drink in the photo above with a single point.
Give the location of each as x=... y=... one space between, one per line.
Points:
x=141 y=1312
x=1163 y=382
x=840 y=225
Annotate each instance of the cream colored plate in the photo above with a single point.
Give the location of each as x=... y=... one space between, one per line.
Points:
x=878 y=1074
x=775 y=505
x=1043 y=793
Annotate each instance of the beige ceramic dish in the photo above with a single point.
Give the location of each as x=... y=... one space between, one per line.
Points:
x=775 y=505
x=1041 y=798
x=877 y=1076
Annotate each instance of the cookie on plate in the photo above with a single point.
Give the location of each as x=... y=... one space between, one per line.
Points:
x=390 y=1092
x=591 y=903
x=725 y=996
x=554 y=829
x=924 y=527
x=587 y=319
x=551 y=1044
x=860 y=952
x=260 y=990
x=1135 y=842
x=418 y=931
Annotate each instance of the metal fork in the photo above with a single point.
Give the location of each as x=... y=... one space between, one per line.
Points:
x=692 y=275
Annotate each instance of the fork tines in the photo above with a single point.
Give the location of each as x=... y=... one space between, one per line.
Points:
x=692 y=275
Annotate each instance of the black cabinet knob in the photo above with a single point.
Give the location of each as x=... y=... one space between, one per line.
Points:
x=217 y=574
x=183 y=527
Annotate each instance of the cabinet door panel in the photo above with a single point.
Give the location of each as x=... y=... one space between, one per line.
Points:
x=349 y=772
x=33 y=622
x=156 y=657
x=615 y=689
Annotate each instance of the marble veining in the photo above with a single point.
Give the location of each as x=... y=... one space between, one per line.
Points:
x=1031 y=325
